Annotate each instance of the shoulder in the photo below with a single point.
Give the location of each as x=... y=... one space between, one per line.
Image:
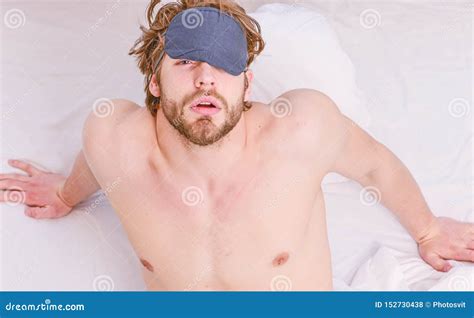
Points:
x=107 y=113
x=106 y=117
x=311 y=115
x=301 y=123
x=305 y=103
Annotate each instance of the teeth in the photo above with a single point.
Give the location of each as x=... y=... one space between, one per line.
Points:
x=205 y=103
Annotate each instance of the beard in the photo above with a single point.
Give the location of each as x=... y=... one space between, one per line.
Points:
x=203 y=131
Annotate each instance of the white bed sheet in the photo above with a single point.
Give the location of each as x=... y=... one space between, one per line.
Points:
x=411 y=66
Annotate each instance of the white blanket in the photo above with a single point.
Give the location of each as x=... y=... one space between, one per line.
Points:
x=414 y=62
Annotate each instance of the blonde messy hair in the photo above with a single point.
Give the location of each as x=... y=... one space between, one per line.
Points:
x=149 y=47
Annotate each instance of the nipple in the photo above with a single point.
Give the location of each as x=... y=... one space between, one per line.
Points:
x=281 y=259
x=146 y=264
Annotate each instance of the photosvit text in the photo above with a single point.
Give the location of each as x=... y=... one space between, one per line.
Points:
x=419 y=304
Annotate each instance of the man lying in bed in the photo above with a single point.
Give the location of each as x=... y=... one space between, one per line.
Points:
x=217 y=192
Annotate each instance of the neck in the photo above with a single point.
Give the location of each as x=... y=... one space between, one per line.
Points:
x=205 y=163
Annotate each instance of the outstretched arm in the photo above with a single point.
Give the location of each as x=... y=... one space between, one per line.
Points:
x=360 y=157
x=80 y=184
x=52 y=195
x=47 y=194
x=439 y=239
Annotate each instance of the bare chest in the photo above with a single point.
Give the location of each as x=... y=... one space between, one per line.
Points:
x=255 y=192
x=258 y=217
x=261 y=215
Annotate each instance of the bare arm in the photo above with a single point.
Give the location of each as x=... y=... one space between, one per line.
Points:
x=41 y=191
x=380 y=171
x=52 y=195
x=399 y=192
x=80 y=184
x=356 y=155
x=439 y=238
x=47 y=194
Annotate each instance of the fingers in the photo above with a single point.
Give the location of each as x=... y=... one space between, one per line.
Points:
x=13 y=185
x=39 y=212
x=33 y=211
x=18 y=196
x=465 y=255
x=28 y=168
x=13 y=197
x=438 y=263
x=14 y=176
x=470 y=245
x=12 y=192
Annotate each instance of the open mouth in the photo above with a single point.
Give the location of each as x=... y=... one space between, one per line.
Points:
x=206 y=105
x=205 y=109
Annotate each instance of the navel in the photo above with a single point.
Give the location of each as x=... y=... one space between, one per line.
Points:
x=281 y=259
x=146 y=264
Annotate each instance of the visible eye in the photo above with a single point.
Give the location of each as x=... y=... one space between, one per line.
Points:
x=184 y=61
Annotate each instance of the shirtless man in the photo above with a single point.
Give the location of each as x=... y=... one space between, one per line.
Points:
x=228 y=196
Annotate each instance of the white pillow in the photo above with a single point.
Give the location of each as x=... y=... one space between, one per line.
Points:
x=302 y=51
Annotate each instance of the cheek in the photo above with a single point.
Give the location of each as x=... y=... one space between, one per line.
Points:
x=173 y=89
x=171 y=80
x=234 y=88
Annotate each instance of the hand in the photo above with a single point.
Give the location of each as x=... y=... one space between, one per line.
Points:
x=39 y=191
x=447 y=239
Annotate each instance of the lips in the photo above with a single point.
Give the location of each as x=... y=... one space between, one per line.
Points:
x=205 y=110
x=206 y=102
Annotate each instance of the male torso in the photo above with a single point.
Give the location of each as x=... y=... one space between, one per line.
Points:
x=258 y=226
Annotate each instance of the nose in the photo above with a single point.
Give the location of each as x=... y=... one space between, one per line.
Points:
x=205 y=77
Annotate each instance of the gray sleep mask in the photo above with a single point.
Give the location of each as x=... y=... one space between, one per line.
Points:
x=208 y=35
